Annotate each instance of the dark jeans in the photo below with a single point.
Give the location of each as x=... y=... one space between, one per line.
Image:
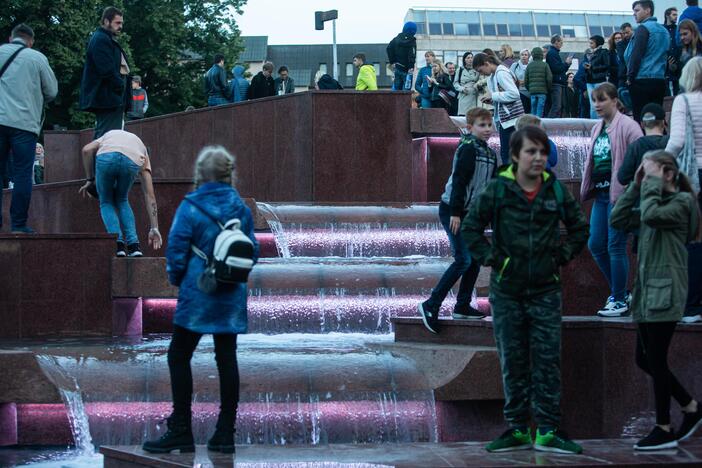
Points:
x=646 y=91
x=110 y=119
x=462 y=267
x=505 y=135
x=652 y=357
x=557 y=91
x=398 y=83
x=214 y=101
x=23 y=145
x=694 y=278
x=180 y=352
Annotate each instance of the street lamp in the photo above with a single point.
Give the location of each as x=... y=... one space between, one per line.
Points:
x=320 y=17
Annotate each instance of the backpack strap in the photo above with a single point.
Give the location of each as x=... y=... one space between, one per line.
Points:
x=9 y=61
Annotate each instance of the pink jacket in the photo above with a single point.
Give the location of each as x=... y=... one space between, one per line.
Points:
x=622 y=132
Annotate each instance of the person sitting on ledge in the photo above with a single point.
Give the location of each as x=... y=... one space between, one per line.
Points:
x=474 y=164
x=668 y=219
x=112 y=163
x=525 y=205
x=222 y=313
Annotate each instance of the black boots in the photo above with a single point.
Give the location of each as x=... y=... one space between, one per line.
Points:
x=179 y=436
x=223 y=438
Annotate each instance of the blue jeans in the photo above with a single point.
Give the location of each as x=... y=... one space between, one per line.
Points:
x=608 y=247
x=462 y=267
x=625 y=96
x=505 y=135
x=538 y=101
x=216 y=101
x=398 y=83
x=23 y=145
x=114 y=176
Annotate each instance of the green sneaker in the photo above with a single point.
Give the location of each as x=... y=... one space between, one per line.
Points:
x=555 y=441
x=511 y=439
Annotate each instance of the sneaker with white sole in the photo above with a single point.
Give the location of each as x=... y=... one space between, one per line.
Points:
x=658 y=439
x=690 y=423
x=608 y=304
x=614 y=309
x=691 y=318
x=429 y=316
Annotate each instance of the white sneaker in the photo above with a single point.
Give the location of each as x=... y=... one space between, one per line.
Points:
x=691 y=318
x=614 y=309
x=608 y=305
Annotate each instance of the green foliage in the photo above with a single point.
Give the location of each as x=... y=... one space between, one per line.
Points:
x=170 y=43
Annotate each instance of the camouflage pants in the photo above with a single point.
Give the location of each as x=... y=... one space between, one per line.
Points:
x=528 y=336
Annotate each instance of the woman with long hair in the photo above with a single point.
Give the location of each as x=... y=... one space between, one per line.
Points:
x=506 y=54
x=518 y=68
x=596 y=69
x=440 y=86
x=690 y=46
x=668 y=218
x=504 y=95
x=609 y=140
x=199 y=310
x=689 y=104
x=613 y=75
x=465 y=85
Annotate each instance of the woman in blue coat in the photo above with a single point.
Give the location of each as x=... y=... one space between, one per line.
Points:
x=223 y=313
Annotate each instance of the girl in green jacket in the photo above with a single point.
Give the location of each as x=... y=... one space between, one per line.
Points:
x=668 y=218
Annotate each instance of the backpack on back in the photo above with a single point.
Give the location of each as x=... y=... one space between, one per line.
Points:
x=232 y=256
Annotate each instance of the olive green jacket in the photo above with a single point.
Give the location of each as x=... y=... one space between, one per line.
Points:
x=666 y=222
x=527 y=248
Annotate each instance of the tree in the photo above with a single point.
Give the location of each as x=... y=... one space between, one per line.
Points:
x=170 y=43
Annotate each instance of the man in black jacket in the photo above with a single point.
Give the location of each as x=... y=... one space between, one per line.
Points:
x=216 y=85
x=105 y=75
x=262 y=85
x=402 y=53
x=559 y=67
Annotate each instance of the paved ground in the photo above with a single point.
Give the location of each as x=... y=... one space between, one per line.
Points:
x=597 y=453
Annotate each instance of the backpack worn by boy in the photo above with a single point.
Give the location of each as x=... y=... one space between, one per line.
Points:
x=232 y=257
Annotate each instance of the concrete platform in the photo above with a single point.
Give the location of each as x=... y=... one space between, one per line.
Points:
x=613 y=453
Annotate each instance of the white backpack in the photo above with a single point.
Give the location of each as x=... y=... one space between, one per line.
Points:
x=232 y=256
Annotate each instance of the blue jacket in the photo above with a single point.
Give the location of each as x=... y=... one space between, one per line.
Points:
x=102 y=87
x=421 y=85
x=223 y=312
x=552 y=154
x=558 y=66
x=239 y=85
x=647 y=53
x=693 y=13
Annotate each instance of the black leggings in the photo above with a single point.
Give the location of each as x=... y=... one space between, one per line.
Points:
x=181 y=351
x=652 y=357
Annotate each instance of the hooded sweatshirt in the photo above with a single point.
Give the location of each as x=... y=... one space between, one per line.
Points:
x=366 y=80
x=402 y=50
x=239 y=84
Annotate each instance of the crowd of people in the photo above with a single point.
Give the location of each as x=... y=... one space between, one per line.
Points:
x=643 y=179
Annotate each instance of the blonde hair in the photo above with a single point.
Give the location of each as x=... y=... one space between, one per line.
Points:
x=507 y=50
x=527 y=120
x=441 y=66
x=691 y=76
x=214 y=164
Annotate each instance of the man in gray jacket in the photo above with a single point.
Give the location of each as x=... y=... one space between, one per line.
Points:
x=26 y=84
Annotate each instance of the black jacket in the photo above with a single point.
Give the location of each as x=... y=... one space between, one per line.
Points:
x=599 y=66
x=261 y=86
x=402 y=51
x=634 y=155
x=621 y=47
x=327 y=82
x=102 y=87
x=216 y=83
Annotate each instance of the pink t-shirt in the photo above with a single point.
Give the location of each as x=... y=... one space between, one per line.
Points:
x=130 y=145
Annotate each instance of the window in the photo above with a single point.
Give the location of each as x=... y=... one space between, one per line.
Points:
x=607 y=31
x=555 y=29
x=349 y=69
x=474 y=29
x=568 y=31
x=542 y=30
x=450 y=56
x=528 y=30
x=461 y=29
x=502 y=30
x=448 y=29
x=515 y=30
x=434 y=29
x=489 y=30
x=595 y=30
x=421 y=28
x=377 y=69
x=323 y=67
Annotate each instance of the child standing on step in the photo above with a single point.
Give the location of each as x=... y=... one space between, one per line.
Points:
x=474 y=164
x=668 y=219
x=525 y=205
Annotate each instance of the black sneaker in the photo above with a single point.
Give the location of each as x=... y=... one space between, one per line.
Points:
x=134 y=250
x=23 y=230
x=469 y=314
x=691 y=422
x=121 y=250
x=429 y=317
x=658 y=439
